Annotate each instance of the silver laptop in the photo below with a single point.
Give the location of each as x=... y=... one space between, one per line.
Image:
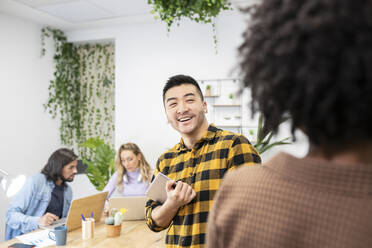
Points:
x=135 y=206
x=87 y=206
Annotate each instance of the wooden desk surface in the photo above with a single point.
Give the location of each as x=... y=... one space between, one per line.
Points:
x=134 y=234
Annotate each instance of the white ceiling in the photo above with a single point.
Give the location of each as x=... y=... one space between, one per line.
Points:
x=75 y=14
x=77 y=11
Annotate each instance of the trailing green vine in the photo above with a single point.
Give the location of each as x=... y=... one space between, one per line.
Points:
x=82 y=92
x=64 y=90
x=98 y=88
x=200 y=11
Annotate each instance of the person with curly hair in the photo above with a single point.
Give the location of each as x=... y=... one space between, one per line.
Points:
x=310 y=61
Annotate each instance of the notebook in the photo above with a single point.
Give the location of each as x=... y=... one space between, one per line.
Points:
x=135 y=206
x=86 y=206
x=156 y=190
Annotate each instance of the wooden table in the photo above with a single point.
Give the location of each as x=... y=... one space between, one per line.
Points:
x=134 y=234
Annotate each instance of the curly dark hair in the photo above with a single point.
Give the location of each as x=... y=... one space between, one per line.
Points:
x=311 y=61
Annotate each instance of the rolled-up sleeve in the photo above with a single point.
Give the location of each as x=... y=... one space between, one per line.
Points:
x=151 y=205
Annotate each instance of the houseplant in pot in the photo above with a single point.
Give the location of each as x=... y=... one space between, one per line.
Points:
x=208 y=90
x=100 y=158
x=113 y=222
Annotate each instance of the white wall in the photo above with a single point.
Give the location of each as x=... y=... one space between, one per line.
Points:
x=28 y=135
x=146 y=59
x=146 y=56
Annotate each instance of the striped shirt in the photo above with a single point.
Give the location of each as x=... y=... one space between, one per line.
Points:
x=203 y=168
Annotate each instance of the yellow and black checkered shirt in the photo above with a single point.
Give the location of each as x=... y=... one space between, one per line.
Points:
x=202 y=167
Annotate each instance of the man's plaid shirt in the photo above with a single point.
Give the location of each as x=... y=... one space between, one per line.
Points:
x=203 y=168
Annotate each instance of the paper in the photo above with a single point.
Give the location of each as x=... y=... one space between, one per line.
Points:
x=39 y=238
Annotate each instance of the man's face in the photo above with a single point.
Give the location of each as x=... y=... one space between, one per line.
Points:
x=69 y=171
x=184 y=108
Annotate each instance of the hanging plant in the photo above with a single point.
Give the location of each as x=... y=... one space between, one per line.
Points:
x=82 y=92
x=201 y=11
x=64 y=90
x=98 y=90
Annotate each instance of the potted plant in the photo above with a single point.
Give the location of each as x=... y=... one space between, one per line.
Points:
x=264 y=135
x=100 y=160
x=208 y=90
x=113 y=222
x=231 y=98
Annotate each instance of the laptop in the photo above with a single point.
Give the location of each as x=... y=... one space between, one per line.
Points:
x=93 y=204
x=134 y=204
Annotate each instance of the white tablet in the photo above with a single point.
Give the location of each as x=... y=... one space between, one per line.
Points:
x=157 y=190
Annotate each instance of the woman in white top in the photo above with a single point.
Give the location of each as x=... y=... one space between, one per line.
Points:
x=133 y=173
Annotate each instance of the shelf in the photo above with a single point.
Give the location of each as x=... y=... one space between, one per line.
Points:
x=242 y=126
x=229 y=126
x=226 y=105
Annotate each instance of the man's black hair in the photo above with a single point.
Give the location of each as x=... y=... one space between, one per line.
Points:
x=179 y=80
x=312 y=60
x=60 y=158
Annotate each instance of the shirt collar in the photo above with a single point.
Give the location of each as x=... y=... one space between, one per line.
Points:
x=134 y=174
x=207 y=136
x=51 y=183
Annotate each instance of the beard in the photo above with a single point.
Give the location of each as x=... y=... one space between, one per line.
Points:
x=68 y=179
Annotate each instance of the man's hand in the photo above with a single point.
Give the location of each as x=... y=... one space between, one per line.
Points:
x=47 y=219
x=180 y=195
x=176 y=197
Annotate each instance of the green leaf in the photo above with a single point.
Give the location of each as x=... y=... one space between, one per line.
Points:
x=71 y=96
x=264 y=137
x=100 y=163
x=203 y=11
x=265 y=148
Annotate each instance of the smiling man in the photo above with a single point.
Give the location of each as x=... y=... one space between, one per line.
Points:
x=198 y=164
x=45 y=197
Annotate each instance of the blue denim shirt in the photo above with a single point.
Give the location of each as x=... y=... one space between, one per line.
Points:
x=30 y=203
